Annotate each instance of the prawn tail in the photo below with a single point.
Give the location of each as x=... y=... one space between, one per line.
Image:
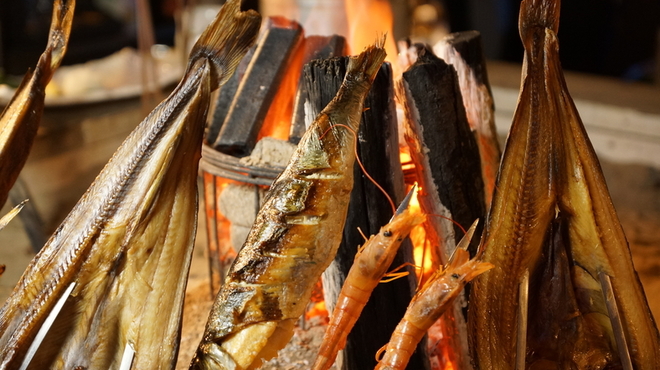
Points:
x=477 y=268
x=226 y=41
x=58 y=39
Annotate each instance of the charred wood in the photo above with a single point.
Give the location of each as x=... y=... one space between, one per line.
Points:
x=316 y=47
x=443 y=148
x=447 y=164
x=225 y=98
x=463 y=51
x=258 y=87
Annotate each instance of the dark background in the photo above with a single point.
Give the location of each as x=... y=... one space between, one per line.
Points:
x=607 y=37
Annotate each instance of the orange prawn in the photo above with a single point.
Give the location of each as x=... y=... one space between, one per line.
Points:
x=370 y=265
x=430 y=303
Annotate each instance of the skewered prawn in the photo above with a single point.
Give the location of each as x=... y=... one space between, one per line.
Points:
x=371 y=263
x=430 y=303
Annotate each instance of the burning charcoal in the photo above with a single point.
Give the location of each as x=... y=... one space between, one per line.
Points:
x=225 y=99
x=316 y=47
x=463 y=51
x=447 y=164
x=322 y=80
x=443 y=148
x=258 y=87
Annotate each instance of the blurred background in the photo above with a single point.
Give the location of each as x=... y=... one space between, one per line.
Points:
x=607 y=37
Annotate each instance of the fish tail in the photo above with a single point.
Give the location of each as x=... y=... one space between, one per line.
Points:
x=226 y=40
x=58 y=38
x=365 y=66
x=538 y=14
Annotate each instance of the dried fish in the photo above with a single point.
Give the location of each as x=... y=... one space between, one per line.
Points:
x=20 y=119
x=552 y=216
x=127 y=243
x=295 y=236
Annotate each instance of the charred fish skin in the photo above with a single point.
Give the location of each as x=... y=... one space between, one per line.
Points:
x=127 y=243
x=295 y=236
x=20 y=119
x=552 y=214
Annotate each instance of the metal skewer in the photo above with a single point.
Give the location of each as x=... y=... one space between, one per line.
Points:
x=41 y=334
x=523 y=310
x=615 y=318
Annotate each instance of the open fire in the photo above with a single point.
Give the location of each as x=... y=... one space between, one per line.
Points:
x=561 y=290
x=235 y=180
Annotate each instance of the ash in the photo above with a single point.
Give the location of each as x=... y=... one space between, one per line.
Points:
x=301 y=351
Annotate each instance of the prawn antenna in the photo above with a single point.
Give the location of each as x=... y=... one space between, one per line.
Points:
x=357 y=158
x=451 y=220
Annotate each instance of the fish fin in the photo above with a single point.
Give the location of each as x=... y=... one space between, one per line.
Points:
x=58 y=38
x=364 y=67
x=538 y=14
x=226 y=40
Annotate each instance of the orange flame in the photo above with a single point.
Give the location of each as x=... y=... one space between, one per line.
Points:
x=277 y=122
x=367 y=19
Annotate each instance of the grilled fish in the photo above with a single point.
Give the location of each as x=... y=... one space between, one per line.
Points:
x=127 y=243
x=20 y=119
x=295 y=236
x=552 y=217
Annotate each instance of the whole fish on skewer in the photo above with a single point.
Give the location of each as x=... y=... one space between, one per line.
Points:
x=295 y=236
x=124 y=251
x=20 y=119
x=562 y=262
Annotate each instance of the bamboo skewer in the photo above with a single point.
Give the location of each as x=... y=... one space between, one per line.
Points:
x=615 y=318
x=41 y=334
x=523 y=311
